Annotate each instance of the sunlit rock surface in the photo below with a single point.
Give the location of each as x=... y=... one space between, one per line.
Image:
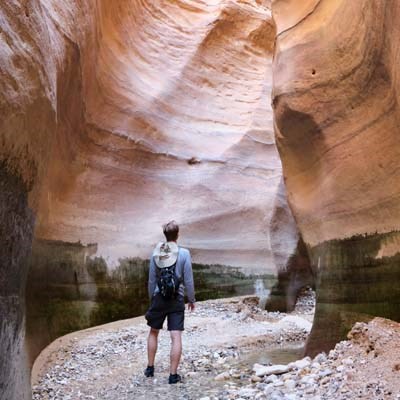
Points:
x=165 y=114
x=119 y=116
x=335 y=99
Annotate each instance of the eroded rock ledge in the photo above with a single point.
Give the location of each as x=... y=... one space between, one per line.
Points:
x=335 y=100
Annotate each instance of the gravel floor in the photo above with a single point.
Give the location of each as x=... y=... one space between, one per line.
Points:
x=108 y=362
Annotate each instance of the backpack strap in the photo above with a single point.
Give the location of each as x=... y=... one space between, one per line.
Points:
x=180 y=280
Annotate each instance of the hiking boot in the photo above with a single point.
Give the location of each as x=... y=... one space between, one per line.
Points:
x=174 y=378
x=149 y=372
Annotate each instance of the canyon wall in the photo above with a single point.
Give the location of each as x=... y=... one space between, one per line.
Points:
x=294 y=270
x=115 y=118
x=335 y=99
x=163 y=115
x=28 y=122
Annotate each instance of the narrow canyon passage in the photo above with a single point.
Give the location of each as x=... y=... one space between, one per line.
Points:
x=174 y=125
x=267 y=129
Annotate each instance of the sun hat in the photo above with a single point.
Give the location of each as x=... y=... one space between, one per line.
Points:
x=165 y=254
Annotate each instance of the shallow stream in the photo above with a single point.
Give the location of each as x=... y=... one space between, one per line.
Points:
x=276 y=355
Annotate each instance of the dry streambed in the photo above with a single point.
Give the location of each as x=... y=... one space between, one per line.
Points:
x=222 y=341
x=232 y=350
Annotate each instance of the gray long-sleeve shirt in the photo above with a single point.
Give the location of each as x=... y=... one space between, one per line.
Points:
x=183 y=271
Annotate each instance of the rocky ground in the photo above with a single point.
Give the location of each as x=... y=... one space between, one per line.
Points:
x=222 y=340
x=232 y=350
x=367 y=366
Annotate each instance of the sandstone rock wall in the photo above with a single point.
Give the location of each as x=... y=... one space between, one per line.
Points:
x=170 y=120
x=294 y=270
x=16 y=232
x=113 y=112
x=40 y=108
x=335 y=99
x=117 y=116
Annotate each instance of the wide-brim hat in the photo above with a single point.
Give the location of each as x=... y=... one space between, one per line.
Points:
x=165 y=254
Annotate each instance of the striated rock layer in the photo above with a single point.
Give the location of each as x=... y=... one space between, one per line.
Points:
x=119 y=116
x=335 y=98
x=163 y=115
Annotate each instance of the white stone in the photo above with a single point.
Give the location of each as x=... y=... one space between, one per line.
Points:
x=271 y=378
x=262 y=370
x=325 y=372
x=321 y=358
x=348 y=361
x=308 y=380
x=300 y=364
x=247 y=392
x=290 y=384
x=300 y=322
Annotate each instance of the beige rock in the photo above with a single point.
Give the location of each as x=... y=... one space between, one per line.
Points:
x=335 y=99
x=222 y=376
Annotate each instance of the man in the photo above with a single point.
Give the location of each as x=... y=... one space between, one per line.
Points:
x=177 y=259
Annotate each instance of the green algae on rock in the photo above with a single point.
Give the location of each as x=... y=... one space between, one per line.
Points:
x=357 y=280
x=69 y=289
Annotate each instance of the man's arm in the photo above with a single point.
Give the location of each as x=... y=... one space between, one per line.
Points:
x=188 y=279
x=152 y=277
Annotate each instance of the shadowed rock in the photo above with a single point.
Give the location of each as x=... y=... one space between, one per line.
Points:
x=16 y=232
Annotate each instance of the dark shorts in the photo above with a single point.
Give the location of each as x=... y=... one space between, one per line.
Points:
x=173 y=310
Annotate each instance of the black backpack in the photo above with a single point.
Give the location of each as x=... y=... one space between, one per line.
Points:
x=168 y=283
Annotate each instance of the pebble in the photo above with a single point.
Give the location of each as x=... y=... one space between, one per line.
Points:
x=222 y=377
x=290 y=384
x=300 y=364
x=262 y=370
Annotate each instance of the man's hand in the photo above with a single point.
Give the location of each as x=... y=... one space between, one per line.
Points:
x=191 y=306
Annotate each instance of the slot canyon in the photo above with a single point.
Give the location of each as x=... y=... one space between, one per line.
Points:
x=267 y=129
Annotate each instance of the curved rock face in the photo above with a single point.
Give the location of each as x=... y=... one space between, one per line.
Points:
x=16 y=232
x=290 y=257
x=170 y=120
x=335 y=100
x=119 y=116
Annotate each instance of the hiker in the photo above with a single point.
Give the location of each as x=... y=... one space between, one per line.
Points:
x=169 y=275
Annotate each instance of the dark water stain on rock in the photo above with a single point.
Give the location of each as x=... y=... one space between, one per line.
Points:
x=297 y=275
x=355 y=283
x=16 y=232
x=69 y=289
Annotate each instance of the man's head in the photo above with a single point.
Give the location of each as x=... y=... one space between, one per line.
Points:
x=171 y=231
